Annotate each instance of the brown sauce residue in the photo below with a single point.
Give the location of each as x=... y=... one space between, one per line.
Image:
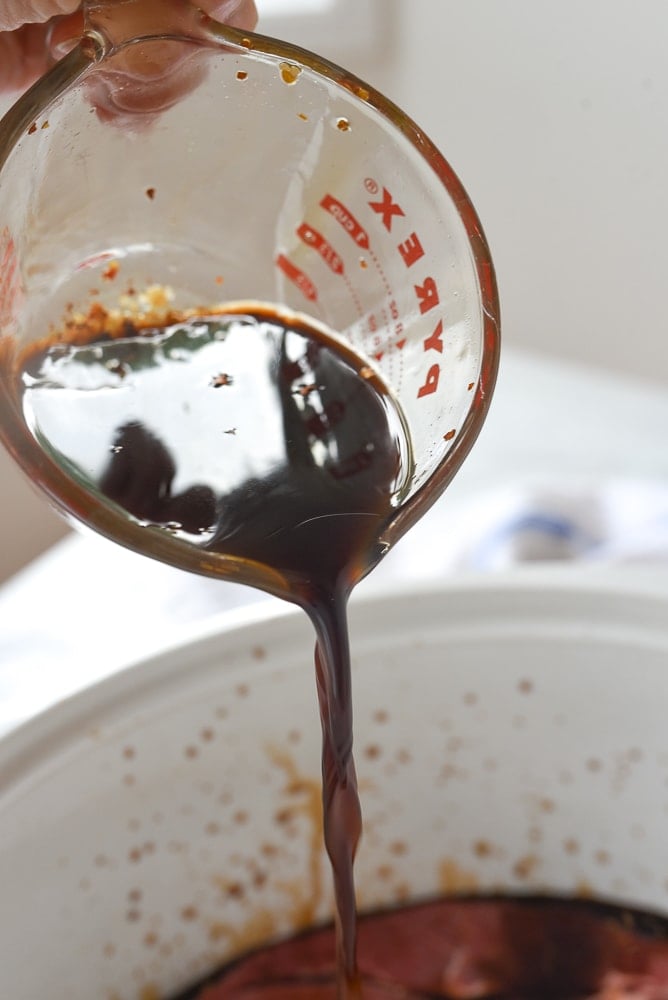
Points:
x=289 y=73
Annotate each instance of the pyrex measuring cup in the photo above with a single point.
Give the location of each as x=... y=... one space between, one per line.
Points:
x=167 y=152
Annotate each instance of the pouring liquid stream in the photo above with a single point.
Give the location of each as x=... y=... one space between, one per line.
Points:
x=249 y=437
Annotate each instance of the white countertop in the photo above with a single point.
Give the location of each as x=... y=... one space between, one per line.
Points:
x=571 y=465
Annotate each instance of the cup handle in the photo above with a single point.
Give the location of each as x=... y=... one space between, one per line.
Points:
x=112 y=22
x=119 y=21
x=64 y=34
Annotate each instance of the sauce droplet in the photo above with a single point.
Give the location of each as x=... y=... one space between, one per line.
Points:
x=289 y=73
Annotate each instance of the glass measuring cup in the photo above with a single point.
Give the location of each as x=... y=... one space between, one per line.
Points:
x=171 y=154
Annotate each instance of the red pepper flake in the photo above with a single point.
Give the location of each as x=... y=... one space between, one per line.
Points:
x=32 y=129
x=223 y=379
x=150 y=193
x=470 y=386
x=45 y=124
x=111 y=271
x=242 y=75
x=449 y=436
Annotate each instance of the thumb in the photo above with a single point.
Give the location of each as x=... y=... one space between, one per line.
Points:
x=14 y=13
x=22 y=56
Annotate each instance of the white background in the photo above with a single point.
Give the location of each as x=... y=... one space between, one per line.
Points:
x=555 y=115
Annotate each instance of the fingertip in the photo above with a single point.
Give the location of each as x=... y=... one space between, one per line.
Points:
x=22 y=57
x=246 y=17
x=15 y=14
x=237 y=13
x=65 y=33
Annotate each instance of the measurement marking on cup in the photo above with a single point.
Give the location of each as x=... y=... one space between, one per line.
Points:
x=355 y=297
x=381 y=272
x=312 y=238
x=346 y=219
x=297 y=277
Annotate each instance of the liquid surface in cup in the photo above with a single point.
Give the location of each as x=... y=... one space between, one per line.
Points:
x=478 y=949
x=239 y=435
x=243 y=436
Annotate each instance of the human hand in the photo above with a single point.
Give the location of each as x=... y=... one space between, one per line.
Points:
x=23 y=39
x=25 y=27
